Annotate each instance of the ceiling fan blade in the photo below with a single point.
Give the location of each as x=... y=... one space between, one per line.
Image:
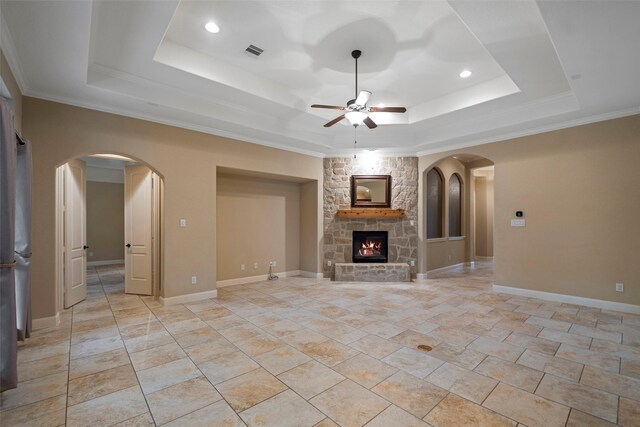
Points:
x=387 y=109
x=330 y=107
x=363 y=98
x=370 y=123
x=334 y=121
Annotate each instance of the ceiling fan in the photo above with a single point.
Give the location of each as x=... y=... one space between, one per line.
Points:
x=357 y=111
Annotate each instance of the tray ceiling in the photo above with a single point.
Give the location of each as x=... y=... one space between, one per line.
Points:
x=536 y=66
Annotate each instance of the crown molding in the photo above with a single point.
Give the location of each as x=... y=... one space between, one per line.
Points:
x=174 y=123
x=540 y=108
x=179 y=99
x=536 y=130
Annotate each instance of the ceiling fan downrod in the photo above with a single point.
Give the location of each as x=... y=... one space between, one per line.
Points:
x=356 y=54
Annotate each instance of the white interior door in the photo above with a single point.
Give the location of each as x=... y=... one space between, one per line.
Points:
x=137 y=230
x=75 y=232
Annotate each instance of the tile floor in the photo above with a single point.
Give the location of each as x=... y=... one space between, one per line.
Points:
x=304 y=352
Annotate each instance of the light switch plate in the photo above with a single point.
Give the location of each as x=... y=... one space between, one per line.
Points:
x=517 y=222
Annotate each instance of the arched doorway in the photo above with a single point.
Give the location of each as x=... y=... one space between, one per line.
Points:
x=457 y=212
x=109 y=212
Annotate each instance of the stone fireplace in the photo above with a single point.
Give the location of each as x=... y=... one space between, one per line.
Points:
x=369 y=246
x=402 y=241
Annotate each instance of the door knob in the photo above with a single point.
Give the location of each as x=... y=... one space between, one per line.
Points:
x=85 y=247
x=128 y=245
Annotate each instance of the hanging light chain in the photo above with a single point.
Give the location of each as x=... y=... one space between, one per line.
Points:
x=355 y=140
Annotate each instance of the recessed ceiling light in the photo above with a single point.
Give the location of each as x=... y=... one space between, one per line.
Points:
x=465 y=73
x=212 y=27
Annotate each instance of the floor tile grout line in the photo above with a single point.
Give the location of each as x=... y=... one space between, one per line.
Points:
x=309 y=400
x=207 y=378
x=66 y=403
x=324 y=302
x=131 y=362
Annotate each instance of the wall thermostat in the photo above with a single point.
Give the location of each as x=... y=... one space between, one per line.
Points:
x=519 y=214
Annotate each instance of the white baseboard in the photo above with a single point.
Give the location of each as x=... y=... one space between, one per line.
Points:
x=45 y=322
x=260 y=278
x=425 y=276
x=181 y=299
x=447 y=268
x=570 y=299
x=107 y=262
x=311 y=274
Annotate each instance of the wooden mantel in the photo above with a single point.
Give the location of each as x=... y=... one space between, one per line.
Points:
x=370 y=213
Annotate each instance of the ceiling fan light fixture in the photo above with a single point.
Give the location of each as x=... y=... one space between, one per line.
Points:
x=356 y=117
x=363 y=98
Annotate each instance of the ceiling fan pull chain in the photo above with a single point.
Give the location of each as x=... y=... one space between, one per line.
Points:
x=355 y=141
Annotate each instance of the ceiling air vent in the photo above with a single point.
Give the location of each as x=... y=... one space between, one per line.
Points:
x=254 y=50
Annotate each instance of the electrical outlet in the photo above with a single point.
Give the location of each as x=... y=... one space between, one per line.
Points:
x=255 y=265
x=273 y=264
x=449 y=257
x=90 y=253
x=194 y=280
x=412 y=263
x=329 y=263
x=619 y=287
x=183 y=222
x=241 y=267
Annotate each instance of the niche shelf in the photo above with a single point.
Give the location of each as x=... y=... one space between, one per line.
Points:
x=370 y=213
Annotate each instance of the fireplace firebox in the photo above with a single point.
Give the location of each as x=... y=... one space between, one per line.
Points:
x=369 y=246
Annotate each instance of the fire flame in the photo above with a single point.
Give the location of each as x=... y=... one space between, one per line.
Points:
x=370 y=248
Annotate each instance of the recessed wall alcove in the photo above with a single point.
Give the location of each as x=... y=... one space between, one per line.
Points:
x=262 y=219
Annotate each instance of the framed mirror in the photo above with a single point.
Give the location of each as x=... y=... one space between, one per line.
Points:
x=371 y=191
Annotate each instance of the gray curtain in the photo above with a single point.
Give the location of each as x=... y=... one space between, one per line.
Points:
x=8 y=342
x=23 y=241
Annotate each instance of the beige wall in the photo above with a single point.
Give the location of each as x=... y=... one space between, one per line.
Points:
x=258 y=221
x=580 y=193
x=187 y=161
x=16 y=95
x=484 y=216
x=444 y=252
x=309 y=220
x=105 y=221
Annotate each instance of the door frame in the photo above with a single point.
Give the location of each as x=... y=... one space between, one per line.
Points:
x=158 y=269
x=59 y=238
x=474 y=257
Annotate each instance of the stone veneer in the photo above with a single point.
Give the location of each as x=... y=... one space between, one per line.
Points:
x=403 y=236
x=372 y=272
